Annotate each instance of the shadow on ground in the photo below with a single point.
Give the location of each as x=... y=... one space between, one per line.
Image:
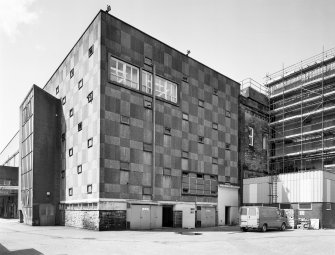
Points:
x=5 y=251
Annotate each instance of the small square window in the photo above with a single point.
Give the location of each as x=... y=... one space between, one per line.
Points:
x=80 y=126
x=89 y=189
x=62 y=174
x=215 y=161
x=79 y=169
x=147 y=104
x=64 y=100
x=70 y=152
x=227 y=146
x=185 y=78
x=90 y=97
x=148 y=61
x=215 y=91
x=63 y=137
x=125 y=120
x=57 y=90
x=167 y=131
x=185 y=116
x=184 y=154
x=228 y=114
x=328 y=206
x=201 y=103
x=80 y=84
x=90 y=142
x=91 y=51
x=70 y=192
x=215 y=126
x=185 y=190
x=200 y=176
x=167 y=171
x=305 y=206
x=71 y=73
x=71 y=112
x=200 y=139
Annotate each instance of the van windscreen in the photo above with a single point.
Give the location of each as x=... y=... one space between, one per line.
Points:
x=244 y=211
x=252 y=211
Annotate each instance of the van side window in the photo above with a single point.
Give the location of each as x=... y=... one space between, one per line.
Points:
x=244 y=211
x=252 y=211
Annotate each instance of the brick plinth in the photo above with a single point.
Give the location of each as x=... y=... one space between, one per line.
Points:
x=112 y=220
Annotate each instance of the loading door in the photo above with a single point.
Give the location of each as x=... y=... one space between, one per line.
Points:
x=139 y=217
x=207 y=217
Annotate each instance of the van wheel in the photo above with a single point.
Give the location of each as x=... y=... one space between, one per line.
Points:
x=244 y=229
x=283 y=227
x=264 y=228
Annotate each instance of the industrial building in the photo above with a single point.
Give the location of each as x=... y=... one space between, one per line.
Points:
x=302 y=142
x=101 y=149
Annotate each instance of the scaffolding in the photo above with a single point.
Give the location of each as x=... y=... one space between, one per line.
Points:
x=302 y=116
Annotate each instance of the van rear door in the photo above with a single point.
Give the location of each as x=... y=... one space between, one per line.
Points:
x=253 y=217
x=244 y=217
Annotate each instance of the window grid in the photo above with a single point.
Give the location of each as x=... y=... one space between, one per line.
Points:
x=124 y=73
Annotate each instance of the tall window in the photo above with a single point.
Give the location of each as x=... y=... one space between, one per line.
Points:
x=265 y=142
x=251 y=136
x=163 y=88
x=124 y=73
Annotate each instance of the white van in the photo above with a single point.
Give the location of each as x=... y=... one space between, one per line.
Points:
x=262 y=218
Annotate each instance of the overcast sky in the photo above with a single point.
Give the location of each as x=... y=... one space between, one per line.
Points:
x=240 y=39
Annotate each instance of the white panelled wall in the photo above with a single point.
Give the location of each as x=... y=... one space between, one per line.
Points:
x=312 y=186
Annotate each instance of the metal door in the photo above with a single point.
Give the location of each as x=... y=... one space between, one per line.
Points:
x=252 y=216
x=207 y=217
x=145 y=217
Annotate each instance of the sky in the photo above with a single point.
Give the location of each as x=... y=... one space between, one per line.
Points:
x=238 y=38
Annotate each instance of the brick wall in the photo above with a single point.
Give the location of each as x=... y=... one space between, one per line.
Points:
x=112 y=220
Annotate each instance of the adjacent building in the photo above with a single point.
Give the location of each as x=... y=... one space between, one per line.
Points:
x=129 y=133
x=301 y=144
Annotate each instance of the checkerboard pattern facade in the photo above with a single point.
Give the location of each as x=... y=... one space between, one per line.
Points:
x=204 y=95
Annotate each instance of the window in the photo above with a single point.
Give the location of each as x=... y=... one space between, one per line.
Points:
x=185 y=78
x=163 y=88
x=185 y=116
x=328 y=206
x=71 y=112
x=125 y=120
x=265 y=142
x=80 y=84
x=91 y=51
x=70 y=192
x=89 y=189
x=305 y=206
x=70 y=152
x=252 y=211
x=57 y=90
x=251 y=136
x=201 y=103
x=215 y=161
x=71 y=73
x=63 y=137
x=167 y=131
x=199 y=184
x=79 y=169
x=147 y=104
x=80 y=126
x=125 y=166
x=147 y=147
x=215 y=126
x=90 y=97
x=227 y=146
x=200 y=139
x=62 y=174
x=228 y=114
x=147 y=82
x=90 y=142
x=184 y=154
x=215 y=92
x=148 y=61
x=64 y=100
x=124 y=73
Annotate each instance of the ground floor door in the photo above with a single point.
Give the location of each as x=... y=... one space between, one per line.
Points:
x=168 y=216
x=227 y=215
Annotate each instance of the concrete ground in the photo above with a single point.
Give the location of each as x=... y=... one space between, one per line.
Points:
x=17 y=238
